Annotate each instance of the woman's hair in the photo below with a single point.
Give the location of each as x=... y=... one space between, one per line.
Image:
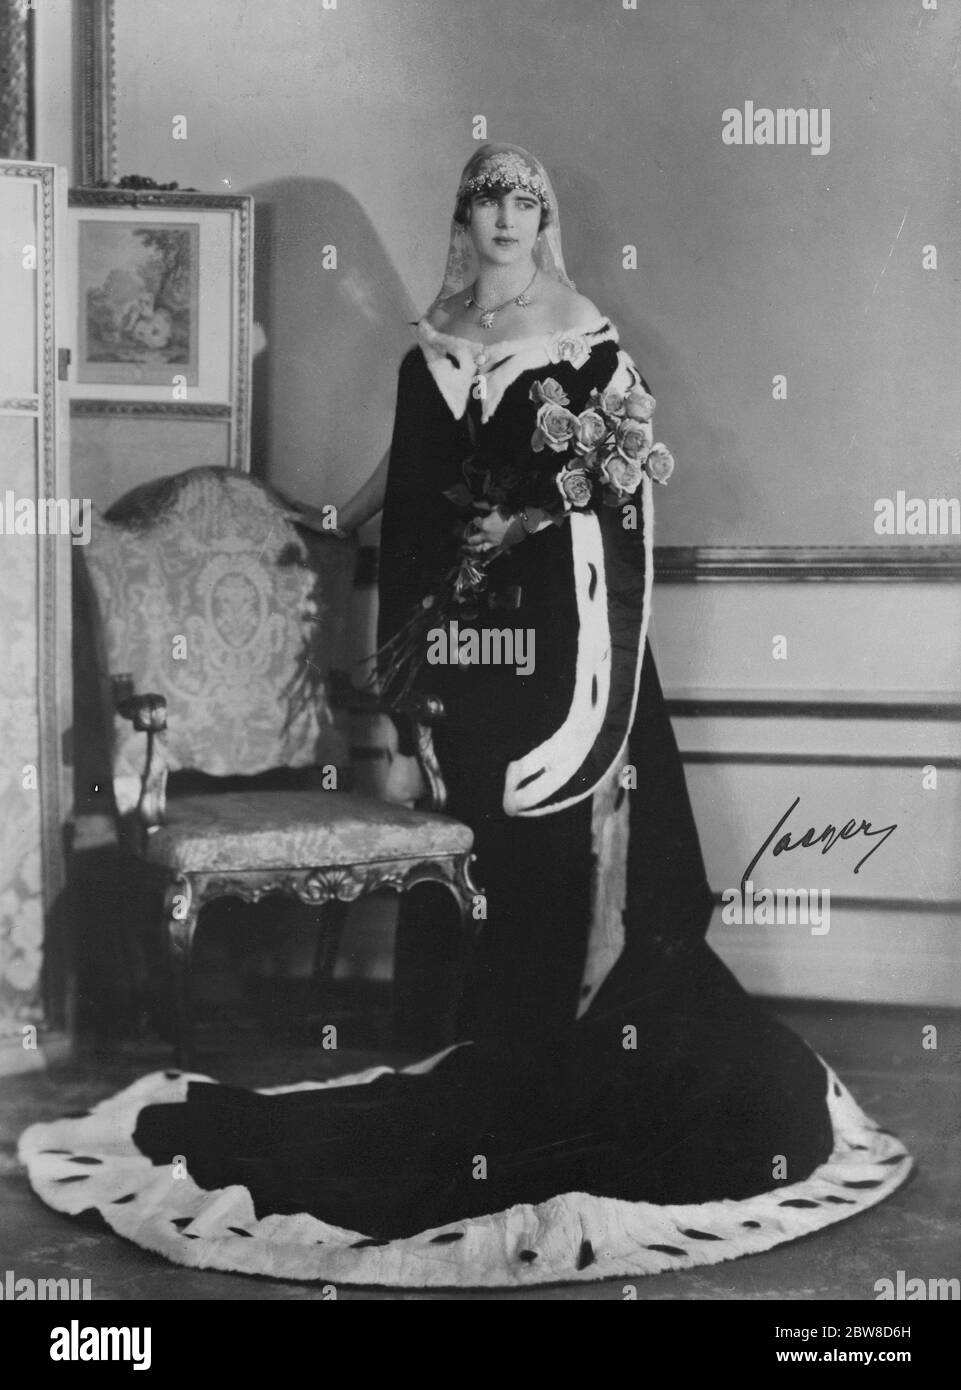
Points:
x=463 y=204
x=497 y=169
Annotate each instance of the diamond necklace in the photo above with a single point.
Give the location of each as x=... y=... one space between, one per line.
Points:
x=487 y=315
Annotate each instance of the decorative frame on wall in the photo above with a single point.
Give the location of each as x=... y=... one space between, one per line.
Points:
x=164 y=289
x=16 y=97
x=35 y=691
x=95 y=91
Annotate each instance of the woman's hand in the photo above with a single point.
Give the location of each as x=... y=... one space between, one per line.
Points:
x=490 y=533
x=351 y=516
x=315 y=519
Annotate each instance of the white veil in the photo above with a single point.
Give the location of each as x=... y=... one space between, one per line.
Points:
x=461 y=268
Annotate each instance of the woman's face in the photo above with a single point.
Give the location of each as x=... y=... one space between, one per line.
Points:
x=504 y=225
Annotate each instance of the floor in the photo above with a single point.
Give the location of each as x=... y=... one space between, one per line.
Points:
x=913 y=1090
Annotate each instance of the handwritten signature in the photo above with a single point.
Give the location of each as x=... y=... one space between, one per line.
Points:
x=828 y=837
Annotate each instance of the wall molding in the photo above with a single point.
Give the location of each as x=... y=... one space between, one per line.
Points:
x=784 y=564
x=151 y=410
x=813 y=706
x=852 y=903
x=820 y=759
x=809 y=563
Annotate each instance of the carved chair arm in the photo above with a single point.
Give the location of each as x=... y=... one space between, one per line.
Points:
x=148 y=714
x=422 y=710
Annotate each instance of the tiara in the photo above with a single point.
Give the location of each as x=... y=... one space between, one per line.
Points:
x=506 y=171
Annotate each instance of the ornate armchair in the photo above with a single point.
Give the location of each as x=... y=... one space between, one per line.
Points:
x=209 y=609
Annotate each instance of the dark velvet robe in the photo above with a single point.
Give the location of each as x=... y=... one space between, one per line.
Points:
x=673 y=1086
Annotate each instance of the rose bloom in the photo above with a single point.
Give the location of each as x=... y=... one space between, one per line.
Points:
x=549 y=390
x=659 y=463
x=624 y=474
x=638 y=405
x=633 y=440
x=611 y=402
x=569 y=347
x=555 y=428
x=589 y=429
x=574 y=486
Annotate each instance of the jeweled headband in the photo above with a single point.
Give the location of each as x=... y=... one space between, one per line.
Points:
x=506 y=171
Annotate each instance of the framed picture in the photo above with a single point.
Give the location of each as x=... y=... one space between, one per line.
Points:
x=139 y=302
x=164 y=293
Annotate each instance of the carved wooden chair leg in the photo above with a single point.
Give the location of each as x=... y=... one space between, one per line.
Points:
x=330 y=930
x=180 y=922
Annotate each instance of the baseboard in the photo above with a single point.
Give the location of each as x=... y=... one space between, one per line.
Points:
x=841 y=967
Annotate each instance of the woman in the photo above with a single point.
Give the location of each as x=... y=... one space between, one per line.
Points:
x=618 y=1105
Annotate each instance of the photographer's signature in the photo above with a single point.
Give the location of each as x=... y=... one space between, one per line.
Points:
x=828 y=837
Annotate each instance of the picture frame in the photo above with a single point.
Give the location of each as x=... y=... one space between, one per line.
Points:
x=163 y=317
x=16 y=44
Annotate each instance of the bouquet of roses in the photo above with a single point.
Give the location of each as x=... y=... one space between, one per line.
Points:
x=596 y=457
x=605 y=450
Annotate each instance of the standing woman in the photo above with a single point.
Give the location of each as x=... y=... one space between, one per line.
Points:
x=619 y=1105
x=535 y=761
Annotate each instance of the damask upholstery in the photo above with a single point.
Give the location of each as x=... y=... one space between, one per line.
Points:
x=296 y=829
x=216 y=618
x=208 y=595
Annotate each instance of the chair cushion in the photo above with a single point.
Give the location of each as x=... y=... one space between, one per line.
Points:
x=233 y=831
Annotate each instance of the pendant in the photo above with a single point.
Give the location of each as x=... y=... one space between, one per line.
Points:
x=523 y=300
x=487 y=319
